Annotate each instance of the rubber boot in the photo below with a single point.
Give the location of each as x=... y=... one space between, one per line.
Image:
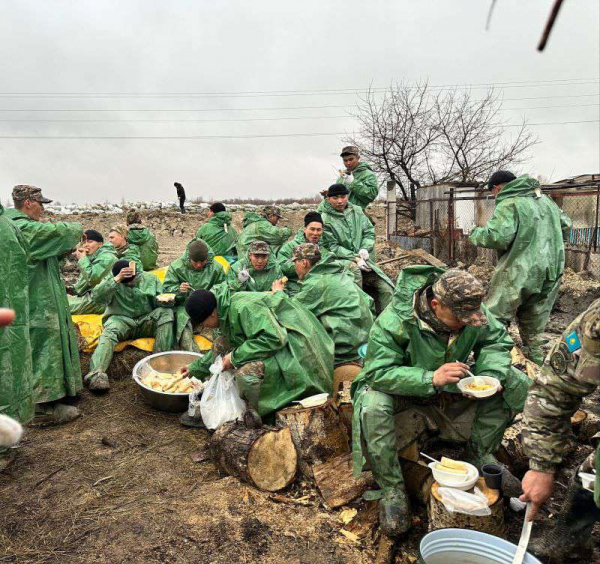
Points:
x=394 y=512
x=97 y=382
x=194 y=422
x=56 y=413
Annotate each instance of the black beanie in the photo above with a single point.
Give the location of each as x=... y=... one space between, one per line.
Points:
x=337 y=190
x=500 y=177
x=120 y=265
x=311 y=217
x=200 y=305
x=93 y=235
x=217 y=207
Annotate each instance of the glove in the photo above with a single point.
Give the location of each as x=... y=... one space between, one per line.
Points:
x=346 y=179
x=243 y=275
x=363 y=254
x=362 y=264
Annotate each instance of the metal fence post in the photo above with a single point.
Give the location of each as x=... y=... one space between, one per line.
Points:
x=451 y=226
x=390 y=211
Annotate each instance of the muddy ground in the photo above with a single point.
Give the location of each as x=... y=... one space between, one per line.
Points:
x=127 y=484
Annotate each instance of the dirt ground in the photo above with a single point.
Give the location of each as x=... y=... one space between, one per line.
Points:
x=127 y=484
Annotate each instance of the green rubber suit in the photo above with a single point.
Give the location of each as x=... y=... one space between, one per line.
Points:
x=146 y=244
x=57 y=368
x=93 y=269
x=181 y=271
x=132 y=312
x=272 y=329
x=364 y=187
x=527 y=230
x=397 y=381
x=346 y=233
x=260 y=281
x=258 y=228
x=220 y=235
x=328 y=291
x=130 y=252
x=16 y=383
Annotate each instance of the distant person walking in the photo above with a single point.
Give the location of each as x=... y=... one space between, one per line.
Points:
x=180 y=195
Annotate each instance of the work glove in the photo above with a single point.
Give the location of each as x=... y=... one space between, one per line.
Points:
x=363 y=254
x=347 y=178
x=243 y=275
x=362 y=264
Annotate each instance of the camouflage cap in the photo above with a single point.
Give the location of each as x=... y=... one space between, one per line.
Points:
x=259 y=248
x=308 y=251
x=121 y=229
x=133 y=217
x=463 y=294
x=272 y=210
x=590 y=329
x=349 y=150
x=24 y=192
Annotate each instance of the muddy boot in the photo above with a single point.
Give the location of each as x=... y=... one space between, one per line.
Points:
x=194 y=422
x=394 y=512
x=54 y=414
x=97 y=382
x=252 y=419
x=7 y=457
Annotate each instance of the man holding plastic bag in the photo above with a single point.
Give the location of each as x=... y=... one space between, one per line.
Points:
x=277 y=349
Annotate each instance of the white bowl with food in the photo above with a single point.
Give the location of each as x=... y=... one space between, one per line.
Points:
x=463 y=479
x=479 y=386
x=166 y=299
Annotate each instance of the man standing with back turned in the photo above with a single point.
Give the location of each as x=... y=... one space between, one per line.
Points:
x=527 y=230
x=180 y=195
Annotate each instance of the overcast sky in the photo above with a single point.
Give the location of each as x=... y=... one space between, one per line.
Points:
x=95 y=47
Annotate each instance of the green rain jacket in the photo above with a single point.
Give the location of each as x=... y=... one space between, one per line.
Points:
x=404 y=352
x=328 y=291
x=364 y=188
x=17 y=381
x=261 y=280
x=146 y=243
x=131 y=253
x=258 y=228
x=57 y=368
x=219 y=234
x=272 y=328
x=94 y=268
x=527 y=230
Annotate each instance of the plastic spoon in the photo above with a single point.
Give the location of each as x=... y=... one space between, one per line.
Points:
x=524 y=540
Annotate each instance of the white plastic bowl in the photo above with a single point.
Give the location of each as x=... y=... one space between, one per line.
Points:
x=313 y=401
x=462 y=386
x=456 y=481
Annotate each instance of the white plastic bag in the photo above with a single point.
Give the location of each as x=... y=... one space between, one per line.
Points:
x=195 y=398
x=221 y=400
x=457 y=501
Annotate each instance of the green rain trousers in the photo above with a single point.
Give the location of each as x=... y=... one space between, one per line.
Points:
x=346 y=233
x=57 y=368
x=17 y=380
x=260 y=280
x=364 y=188
x=527 y=230
x=146 y=244
x=271 y=328
x=220 y=235
x=258 y=228
x=402 y=355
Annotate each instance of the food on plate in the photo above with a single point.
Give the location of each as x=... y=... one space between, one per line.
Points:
x=169 y=383
x=165 y=297
x=452 y=466
x=478 y=385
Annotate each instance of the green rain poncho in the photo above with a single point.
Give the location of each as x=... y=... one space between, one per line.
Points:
x=220 y=235
x=364 y=188
x=328 y=291
x=527 y=231
x=17 y=381
x=146 y=243
x=130 y=252
x=258 y=228
x=272 y=328
x=53 y=341
x=260 y=280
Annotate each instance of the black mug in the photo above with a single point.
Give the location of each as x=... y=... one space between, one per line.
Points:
x=492 y=473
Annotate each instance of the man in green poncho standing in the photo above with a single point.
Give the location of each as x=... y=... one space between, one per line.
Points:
x=358 y=177
x=527 y=230
x=262 y=227
x=257 y=272
x=57 y=370
x=218 y=233
x=350 y=236
x=132 y=312
x=117 y=237
x=278 y=350
x=143 y=239
x=195 y=270
x=417 y=352
x=17 y=379
x=95 y=260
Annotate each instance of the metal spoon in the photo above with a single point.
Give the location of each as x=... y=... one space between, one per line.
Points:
x=524 y=540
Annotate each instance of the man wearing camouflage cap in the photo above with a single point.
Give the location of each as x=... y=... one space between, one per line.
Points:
x=417 y=352
x=262 y=227
x=570 y=372
x=358 y=177
x=57 y=370
x=118 y=238
x=143 y=239
x=256 y=272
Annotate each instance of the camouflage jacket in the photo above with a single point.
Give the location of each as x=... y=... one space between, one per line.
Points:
x=570 y=372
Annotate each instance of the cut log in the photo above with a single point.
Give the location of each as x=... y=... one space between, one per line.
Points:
x=336 y=483
x=386 y=551
x=512 y=452
x=265 y=458
x=441 y=518
x=317 y=432
x=578 y=418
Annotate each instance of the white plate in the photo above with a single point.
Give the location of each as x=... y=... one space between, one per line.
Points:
x=462 y=386
x=456 y=481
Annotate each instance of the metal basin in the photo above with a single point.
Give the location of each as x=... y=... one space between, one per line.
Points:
x=170 y=361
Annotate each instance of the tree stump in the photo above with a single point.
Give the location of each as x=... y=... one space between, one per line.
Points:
x=317 y=432
x=265 y=458
x=440 y=518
